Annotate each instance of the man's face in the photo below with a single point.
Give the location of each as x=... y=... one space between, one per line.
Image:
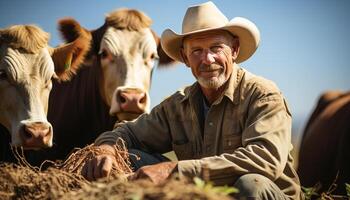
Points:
x=210 y=55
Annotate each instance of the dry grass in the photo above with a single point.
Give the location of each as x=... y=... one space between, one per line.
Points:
x=63 y=181
x=22 y=182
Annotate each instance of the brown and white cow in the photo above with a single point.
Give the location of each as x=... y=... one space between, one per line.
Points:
x=325 y=148
x=27 y=67
x=113 y=84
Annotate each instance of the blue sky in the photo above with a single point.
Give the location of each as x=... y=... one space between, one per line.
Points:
x=304 y=44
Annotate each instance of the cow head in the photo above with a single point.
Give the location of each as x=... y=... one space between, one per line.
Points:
x=126 y=50
x=27 y=67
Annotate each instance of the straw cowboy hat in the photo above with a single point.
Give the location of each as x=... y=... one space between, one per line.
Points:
x=205 y=17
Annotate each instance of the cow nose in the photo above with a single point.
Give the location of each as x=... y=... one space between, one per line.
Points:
x=36 y=135
x=132 y=101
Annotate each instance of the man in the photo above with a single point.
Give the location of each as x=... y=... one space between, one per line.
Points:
x=231 y=125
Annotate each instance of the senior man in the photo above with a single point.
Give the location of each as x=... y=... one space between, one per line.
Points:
x=231 y=123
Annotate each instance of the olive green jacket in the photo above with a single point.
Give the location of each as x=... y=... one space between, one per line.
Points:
x=246 y=130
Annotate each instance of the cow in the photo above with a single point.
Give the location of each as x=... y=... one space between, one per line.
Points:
x=325 y=147
x=28 y=66
x=112 y=85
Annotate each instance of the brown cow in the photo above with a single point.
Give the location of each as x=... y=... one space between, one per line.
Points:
x=114 y=80
x=325 y=151
x=27 y=67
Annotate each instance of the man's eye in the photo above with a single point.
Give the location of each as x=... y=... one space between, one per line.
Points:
x=216 y=48
x=196 y=51
x=3 y=75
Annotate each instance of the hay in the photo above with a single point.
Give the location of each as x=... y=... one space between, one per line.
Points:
x=22 y=182
x=75 y=162
x=62 y=180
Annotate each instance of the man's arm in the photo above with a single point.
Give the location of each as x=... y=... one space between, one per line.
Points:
x=149 y=133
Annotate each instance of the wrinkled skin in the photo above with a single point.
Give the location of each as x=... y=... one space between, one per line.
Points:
x=101 y=166
x=210 y=56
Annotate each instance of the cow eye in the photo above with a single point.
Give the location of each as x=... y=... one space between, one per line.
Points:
x=154 y=56
x=151 y=59
x=104 y=54
x=3 y=74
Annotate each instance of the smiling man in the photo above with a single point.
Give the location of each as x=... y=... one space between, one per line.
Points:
x=231 y=123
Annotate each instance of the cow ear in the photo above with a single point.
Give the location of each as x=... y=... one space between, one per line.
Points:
x=164 y=59
x=68 y=57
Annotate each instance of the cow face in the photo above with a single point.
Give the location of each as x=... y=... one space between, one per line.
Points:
x=27 y=67
x=127 y=59
x=25 y=84
x=125 y=49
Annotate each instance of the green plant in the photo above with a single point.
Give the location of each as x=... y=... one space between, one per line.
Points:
x=309 y=192
x=209 y=187
x=347 y=187
x=312 y=192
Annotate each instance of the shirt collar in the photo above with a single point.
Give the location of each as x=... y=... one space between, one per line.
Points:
x=232 y=91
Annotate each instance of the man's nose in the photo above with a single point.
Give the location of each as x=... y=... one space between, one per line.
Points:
x=208 y=57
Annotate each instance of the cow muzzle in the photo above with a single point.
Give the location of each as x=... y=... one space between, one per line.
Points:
x=36 y=135
x=129 y=103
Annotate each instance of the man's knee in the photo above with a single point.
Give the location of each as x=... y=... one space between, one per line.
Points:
x=256 y=186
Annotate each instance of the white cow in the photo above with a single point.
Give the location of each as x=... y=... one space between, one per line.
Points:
x=125 y=49
x=27 y=67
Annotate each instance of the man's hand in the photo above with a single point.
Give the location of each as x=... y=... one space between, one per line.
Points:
x=157 y=173
x=101 y=165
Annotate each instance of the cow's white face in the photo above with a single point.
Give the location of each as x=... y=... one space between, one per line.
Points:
x=27 y=65
x=127 y=60
x=25 y=84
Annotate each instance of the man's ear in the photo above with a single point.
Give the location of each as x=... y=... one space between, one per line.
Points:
x=235 y=48
x=184 y=57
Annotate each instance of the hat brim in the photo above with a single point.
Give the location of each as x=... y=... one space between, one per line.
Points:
x=247 y=32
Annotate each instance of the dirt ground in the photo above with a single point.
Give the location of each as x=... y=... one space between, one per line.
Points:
x=63 y=181
x=20 y=182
